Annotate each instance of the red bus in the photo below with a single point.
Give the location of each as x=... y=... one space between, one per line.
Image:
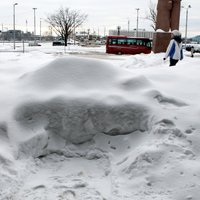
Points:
x=128 y=45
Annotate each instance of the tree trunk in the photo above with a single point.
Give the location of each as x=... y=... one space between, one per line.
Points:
x=66 y=38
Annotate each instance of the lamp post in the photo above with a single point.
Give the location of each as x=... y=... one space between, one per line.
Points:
x=74 y=35
x=26 y=26
x=14 y=24
x=137 y=21
x=34 y=9
x=88 y=33
x=186 y=23
x=128 y=26
x=40 y=29
x=118 y=30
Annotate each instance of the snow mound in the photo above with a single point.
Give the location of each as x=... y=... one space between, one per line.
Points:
x=80 y=98
x=72 y=73
x=134 y=83
x=76 y=121
x=70 y=100
x=81 y=134
x=73 y=99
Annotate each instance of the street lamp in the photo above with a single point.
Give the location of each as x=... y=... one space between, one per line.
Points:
x=118 y=30
x=34 y=21
x=128 y=26
x=74 y=35
x=40 y=29
x=137 y=21
x=186 y=23
x=14 y=24
x=88 y=33
x=26 y=26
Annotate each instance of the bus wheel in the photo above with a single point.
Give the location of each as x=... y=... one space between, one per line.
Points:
x=119 y=53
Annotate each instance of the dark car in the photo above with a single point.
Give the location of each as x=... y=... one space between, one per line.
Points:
x=58 y=43
x=193 y=48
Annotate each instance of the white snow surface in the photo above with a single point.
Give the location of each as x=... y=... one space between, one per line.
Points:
x=79 y=124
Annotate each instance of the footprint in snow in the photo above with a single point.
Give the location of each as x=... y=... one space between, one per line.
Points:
x=67 y=195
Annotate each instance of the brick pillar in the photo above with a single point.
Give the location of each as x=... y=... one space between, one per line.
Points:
x=161 y=41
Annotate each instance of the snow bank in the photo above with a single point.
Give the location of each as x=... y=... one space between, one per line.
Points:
x=79 y=128
x=70 y=100
x=73 y=100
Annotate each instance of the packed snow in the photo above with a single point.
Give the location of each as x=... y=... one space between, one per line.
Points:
x=79 y=124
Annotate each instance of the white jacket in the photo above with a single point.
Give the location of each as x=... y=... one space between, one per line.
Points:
x=174 y=50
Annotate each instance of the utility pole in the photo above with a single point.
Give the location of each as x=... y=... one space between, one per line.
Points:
x=74 y=30
x=128 y=26
x=186 y=24
x=40 y=29
x=14 y=24
x=26 y=26
x=118 y=30
x=34 y=9
x=137 y=21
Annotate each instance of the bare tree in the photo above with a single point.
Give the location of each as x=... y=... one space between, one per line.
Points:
x=64 y=22
x=152 y=14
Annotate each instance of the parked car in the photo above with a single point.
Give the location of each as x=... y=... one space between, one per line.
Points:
x=58 y=43
x=62 y=43
x=193 y=48
x=33 y=43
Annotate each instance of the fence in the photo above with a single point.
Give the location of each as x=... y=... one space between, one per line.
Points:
x=8 y=46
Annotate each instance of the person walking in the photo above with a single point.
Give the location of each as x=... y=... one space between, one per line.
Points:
x=192 y=52
x=174 y=49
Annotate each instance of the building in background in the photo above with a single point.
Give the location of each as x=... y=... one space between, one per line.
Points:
x=196 y=39
x=8 y=35
x=134 y=33
x=20 y=35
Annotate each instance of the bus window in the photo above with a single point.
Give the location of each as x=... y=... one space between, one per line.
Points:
x=121 y=41
x=148 y=44
x=140 y=42
x=131 y=41
x=113 y=41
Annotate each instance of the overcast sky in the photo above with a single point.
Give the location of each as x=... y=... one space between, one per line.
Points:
x=102 y=14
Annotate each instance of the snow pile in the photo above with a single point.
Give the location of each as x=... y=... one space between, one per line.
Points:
x=83 y=97
x=126 y=127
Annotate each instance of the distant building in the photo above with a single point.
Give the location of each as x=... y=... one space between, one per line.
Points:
x=133 y=33
x=20 y=35
x=8 y=35
x=196 y=39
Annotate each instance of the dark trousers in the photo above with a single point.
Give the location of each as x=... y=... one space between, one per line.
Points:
x=173 y=62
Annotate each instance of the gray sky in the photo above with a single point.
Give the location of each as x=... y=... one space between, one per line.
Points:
x=102 y=14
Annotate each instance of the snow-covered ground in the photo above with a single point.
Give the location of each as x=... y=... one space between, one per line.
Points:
x=79 y=124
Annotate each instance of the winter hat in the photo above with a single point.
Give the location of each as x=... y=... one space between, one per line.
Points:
x=176 y=33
